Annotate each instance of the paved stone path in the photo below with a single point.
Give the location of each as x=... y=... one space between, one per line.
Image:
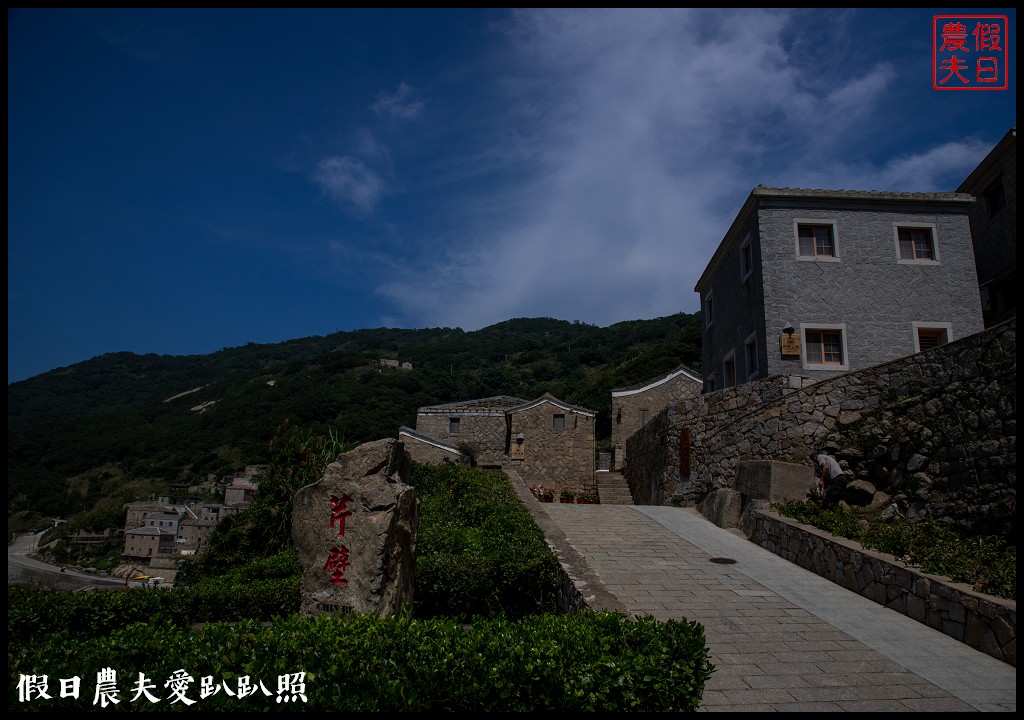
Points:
x=781 y=638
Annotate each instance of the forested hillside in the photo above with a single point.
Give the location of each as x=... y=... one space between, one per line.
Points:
x=111 y=425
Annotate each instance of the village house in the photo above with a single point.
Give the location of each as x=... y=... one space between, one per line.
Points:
x=811 y=284
x=547 y=441
x=633 y=406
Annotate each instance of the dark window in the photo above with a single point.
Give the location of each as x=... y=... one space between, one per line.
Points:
x=453 y=426
x=995 y=200
x=558 y=421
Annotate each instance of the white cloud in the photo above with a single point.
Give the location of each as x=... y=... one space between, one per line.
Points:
x=349 y=180
x=399 y=104
x=636 y=136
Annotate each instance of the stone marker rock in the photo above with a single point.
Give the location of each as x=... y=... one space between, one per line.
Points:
x=355 y=533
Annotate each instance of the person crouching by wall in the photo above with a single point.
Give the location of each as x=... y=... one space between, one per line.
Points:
x=830 y=477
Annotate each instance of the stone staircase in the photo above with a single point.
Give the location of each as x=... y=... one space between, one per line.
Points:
x=612 y=488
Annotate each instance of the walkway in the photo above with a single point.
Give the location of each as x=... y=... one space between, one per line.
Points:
x=781 y=638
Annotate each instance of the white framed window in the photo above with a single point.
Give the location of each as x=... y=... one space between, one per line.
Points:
x=558 y=421
x=823 y=347
x=750 y=356
x=453 y=426
x=916 y=243
x=709 y=310
x=729 y=369
x=929 y=335
x=746 y=258
x=816 y=239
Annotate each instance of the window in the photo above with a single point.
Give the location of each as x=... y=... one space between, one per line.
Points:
x=816 y=240
x=558 y=422
x=750 y=356
x=916 y=244
x=930 y=335
x=729 y=370
x=709 y=310
x=453 y=426
x=995 y=200
x=712 y=383
x=746 y=259
x=824 y=348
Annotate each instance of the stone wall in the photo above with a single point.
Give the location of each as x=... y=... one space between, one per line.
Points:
x=868 y=291
x=554 y=457
x=484 y=431
x=936 y=431
x=983 y=622
x=632 y=408
x=423 y=450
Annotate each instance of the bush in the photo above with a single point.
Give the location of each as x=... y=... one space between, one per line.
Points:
x=986 y=563
x=479 y=551
x=581 y=662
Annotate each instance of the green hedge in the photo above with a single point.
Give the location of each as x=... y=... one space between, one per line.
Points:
x=986 y=563
x=479 y=551
x=583 y=661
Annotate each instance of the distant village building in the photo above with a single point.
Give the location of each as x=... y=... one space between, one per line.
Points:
x=633 y=407
x=389 y=363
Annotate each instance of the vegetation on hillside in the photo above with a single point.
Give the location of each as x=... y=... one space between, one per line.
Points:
x=79 y=434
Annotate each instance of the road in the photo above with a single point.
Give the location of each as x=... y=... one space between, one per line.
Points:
x=28 y=572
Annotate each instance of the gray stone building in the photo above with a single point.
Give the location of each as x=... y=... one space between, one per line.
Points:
x=547 y=441
x=994 y=228
x=551 y=443
x=812 y=284
x=478 y=426
x=633 y=406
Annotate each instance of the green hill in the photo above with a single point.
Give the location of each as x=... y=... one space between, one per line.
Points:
x=86 y=432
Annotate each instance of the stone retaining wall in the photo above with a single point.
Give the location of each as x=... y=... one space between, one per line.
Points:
x=936 y=431
x=983 y=622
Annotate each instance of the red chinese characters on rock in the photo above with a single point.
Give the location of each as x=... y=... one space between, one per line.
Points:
x=337 y=558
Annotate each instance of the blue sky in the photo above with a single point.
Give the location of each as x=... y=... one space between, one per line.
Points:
x=180 y=181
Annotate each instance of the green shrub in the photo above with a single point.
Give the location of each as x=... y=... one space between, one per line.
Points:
x=986 y=563
x=479 y=552
x=579 y=662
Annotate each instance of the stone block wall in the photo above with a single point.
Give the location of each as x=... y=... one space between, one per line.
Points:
x=485 y=432
x=632 y=408
x=555 y=457
x=422 y=450
x=936 y=430
x=983 y=622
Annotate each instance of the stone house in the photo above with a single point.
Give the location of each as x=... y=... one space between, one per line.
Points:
x=240 y=492
x=149 y=542
x=633 y=406
x=547 y=441
x=476 y=425
x=811 y=284
x=994 y=228
x=552 y=443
